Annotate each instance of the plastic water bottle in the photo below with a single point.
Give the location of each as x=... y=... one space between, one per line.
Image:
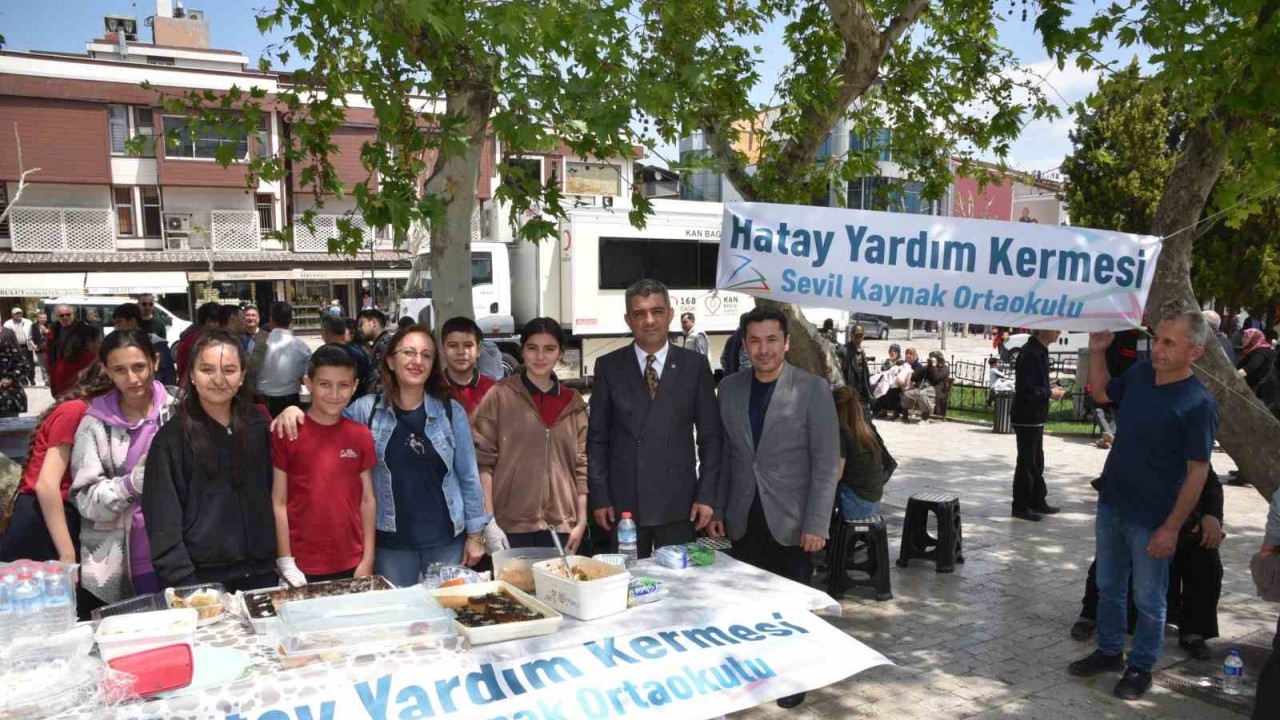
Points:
x=27 y=597
x=1232 y=673
x=6 y=617
x=59 y=599
x=627 y=538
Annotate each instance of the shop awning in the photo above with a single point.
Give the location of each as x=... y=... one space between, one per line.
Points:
x=41 y=285
x=387 y=274
x=132 y=283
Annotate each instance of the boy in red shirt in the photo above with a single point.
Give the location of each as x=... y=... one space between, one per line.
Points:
x=323 y=486
x=460 y=337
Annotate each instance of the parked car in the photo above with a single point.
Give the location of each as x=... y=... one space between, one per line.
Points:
x=875 y=326
x=100 y=309
x=1067 y=342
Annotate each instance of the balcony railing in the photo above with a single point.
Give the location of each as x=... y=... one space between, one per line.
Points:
x=231 y=230
x=326 y=229
x=60 y=229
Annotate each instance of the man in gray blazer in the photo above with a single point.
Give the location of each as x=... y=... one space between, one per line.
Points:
x=647 y=399
x=781 y=457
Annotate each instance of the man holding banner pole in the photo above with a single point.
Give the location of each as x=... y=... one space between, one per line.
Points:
x=781 y=458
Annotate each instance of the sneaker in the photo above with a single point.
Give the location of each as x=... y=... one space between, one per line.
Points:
x=1098 y=662
x=1029 y=515
x=791 y=702
x=1083 y=629
x=1133 y=685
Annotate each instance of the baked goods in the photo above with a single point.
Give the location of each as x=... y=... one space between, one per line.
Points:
x=495 y=608
x=263 y=603
x=206 y=601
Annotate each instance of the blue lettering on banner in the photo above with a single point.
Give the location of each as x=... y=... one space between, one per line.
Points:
x=803 y=243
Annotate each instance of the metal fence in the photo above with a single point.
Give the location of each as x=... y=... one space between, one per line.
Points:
x=972 y=393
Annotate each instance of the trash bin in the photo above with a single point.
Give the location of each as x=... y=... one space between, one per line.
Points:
x=1004 y=413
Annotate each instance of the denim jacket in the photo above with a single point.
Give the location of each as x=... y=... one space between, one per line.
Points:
x=451 y=439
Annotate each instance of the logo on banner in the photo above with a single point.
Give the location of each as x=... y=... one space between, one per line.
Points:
x=713 y=303
x=749 y=278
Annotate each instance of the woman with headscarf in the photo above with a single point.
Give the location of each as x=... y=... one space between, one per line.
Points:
x=898 y=374
x=14 y=366
x=1256 y=358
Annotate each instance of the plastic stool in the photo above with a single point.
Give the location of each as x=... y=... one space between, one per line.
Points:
x=947 y=549
x=847 y=534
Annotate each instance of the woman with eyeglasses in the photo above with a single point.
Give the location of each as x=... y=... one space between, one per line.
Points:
x=208 y=495
x=430 y=504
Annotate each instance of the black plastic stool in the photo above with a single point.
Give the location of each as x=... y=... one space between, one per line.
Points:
x=846 y=535
x=947 y=549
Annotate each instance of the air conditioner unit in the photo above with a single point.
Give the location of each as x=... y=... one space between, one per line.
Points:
x=177 y=222
x=195 y=14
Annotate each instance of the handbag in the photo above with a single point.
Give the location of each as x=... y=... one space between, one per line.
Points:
x=887 y=463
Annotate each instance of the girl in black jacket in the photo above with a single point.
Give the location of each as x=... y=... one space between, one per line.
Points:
x=207 y=501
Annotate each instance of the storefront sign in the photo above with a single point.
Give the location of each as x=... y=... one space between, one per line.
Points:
x=941 y=268
x=242 y=275
x=717 y=663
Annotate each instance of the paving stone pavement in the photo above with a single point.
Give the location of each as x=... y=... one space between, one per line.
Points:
x=991 y=641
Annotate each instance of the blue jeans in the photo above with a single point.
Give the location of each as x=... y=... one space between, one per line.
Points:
x=1122 y=549
x=404 y=567
x=854 y=507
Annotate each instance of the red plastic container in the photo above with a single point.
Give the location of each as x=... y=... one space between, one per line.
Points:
x=158 y=670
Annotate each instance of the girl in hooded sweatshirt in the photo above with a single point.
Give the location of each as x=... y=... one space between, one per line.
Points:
x=108 y=460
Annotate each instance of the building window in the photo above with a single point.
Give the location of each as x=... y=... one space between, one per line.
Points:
x=683 y=264
x=151 y=212
x=266 y=206
x=124 y=211
x=583 y=178
x=201 y=141
x=4 y=205
x=118 y=123
x=699 y=183
x=879 y=139
x=144 y=126
x=264 y=138
x=879 y=193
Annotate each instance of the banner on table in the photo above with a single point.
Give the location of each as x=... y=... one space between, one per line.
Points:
x=938 y=268
x=727 y=661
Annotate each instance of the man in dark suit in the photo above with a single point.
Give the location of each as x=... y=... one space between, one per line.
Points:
x=647 y=400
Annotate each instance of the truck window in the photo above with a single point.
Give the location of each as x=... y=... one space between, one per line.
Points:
x=481 y=268
x=681 y=264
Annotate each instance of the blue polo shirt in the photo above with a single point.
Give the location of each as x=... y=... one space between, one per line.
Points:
x=1161 y=429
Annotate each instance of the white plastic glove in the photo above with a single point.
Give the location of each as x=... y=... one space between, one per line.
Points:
x=494 y=538
x=288 y=569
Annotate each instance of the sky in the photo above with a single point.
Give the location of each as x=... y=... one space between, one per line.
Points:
x=65 y=25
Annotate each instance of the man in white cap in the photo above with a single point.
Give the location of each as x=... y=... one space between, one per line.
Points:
x=22 y=328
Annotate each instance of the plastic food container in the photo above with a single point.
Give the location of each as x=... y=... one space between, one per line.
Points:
x=547 y=624
x=127 y=634
x=614 y=559
x=603 y=593
x=210 y=600
x=150 y=602
x=40 y=689
x=157 y=670
x=331 y=627
x=260 y=607
x=515 y=565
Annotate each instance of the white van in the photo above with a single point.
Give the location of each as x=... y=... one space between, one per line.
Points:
x=100 y=309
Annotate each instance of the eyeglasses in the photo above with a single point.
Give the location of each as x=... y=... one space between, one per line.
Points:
x=142 y=304
x=408 y=354
x=64 y=314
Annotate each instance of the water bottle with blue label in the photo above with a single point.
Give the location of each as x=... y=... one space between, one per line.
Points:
x=627 y=538
x=6 y=616
x=1232 y=673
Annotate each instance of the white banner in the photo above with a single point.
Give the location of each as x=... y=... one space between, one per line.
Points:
x=938 y=268
x=717 y=663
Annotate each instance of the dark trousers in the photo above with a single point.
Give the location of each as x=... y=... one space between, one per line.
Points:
x=28 y=536
x=30 y=374
x=1195 y=584
x=277 y=403
x=889 y=402
x=1029 y=491
x=540 y=539
x=651 y=537
x=1267 y=705
x=759 y=548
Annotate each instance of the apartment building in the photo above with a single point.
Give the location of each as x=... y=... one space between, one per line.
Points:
x=98 y=219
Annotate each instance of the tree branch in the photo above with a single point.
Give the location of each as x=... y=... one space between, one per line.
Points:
x=22 y=177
